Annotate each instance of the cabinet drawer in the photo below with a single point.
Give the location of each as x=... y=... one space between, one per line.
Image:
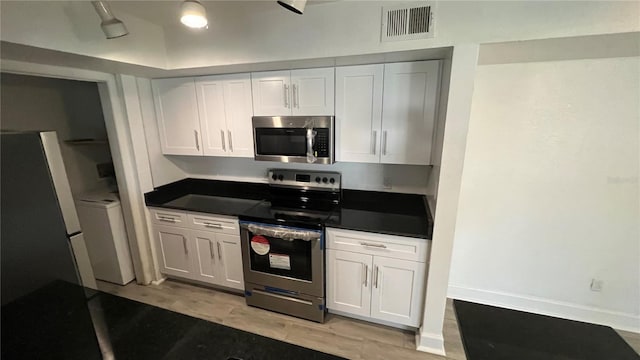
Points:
x=169 y=217
x=397 y=247
x=217 y=223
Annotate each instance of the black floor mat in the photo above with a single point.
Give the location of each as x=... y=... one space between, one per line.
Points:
x=492 y=333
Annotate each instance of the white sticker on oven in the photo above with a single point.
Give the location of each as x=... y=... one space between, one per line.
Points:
x=260 y=245
x=278 y=261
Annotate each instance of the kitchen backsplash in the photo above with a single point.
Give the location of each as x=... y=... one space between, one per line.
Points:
x=378 y=177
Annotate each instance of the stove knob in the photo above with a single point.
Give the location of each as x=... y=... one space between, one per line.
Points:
x=318 y=179
x=274 y=177
x=332 y=180
x=280 y=177
x=324 y=180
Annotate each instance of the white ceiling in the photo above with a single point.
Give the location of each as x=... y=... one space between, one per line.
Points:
x=166 y=13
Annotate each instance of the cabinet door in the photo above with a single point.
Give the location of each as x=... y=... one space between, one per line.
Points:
x=349 y=282
x=359 y=113
x=239 y=110
x=212 y=109
x=312 y=91
x=409 y=110
x=206 y=257
x=271 y=93
x=230 y=263
x=177 y=116
x=397 y=292
x=174 y=251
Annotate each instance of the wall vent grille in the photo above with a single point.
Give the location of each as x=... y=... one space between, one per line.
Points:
x=407 y=22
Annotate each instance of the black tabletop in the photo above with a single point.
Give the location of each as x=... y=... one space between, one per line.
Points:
x=59 y=322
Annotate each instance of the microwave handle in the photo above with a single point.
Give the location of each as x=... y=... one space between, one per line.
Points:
x=311 y=158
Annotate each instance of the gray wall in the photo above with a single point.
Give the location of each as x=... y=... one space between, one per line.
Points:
x=72 y=108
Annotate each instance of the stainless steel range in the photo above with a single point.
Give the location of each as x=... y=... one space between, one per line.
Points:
x=283 y=243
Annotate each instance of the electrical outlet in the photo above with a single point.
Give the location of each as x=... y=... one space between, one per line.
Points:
x=596 y=285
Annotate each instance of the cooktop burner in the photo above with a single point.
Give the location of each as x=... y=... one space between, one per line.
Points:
x=303 y=198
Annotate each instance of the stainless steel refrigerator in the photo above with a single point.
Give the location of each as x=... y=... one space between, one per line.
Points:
x=41 y=239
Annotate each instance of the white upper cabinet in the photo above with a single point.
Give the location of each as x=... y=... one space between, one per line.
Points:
x=359 y=113
x=312 y=91
x=385 y=113
x=210 y=93
x=409 y=110
x=296 y=92
x=271 y=93
x=177 y=115
x=225 y=111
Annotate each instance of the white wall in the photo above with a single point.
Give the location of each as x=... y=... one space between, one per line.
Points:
x=343 y=28
x=72 y=108
x=401 y=178
x=74 y=27
x=550 y=190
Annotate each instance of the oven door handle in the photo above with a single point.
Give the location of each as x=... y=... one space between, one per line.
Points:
x=282 y=233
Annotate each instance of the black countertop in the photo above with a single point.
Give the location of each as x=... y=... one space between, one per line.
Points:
x=380 y=212
x=59 y=322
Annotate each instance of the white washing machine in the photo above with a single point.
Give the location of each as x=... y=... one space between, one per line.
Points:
x=102 y=222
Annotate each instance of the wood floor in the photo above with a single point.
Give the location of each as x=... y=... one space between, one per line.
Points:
x=349 y=338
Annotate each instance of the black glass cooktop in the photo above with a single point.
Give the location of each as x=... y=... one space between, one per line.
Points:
x=266 y=212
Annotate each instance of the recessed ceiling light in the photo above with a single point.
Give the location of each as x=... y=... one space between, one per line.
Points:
x=193 y=14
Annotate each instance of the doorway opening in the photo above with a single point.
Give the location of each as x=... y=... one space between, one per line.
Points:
x=73 y=109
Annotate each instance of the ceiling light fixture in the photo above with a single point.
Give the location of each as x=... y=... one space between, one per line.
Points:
x=193 y=14
x=112 y=27
x=297 y=6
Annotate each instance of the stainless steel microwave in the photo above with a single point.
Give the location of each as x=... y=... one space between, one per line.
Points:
x=299 y=139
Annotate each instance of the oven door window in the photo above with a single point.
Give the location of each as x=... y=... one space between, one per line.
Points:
x=281 y=142
x=285 y=258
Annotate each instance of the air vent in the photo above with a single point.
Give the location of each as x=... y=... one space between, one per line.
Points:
x=407 y=22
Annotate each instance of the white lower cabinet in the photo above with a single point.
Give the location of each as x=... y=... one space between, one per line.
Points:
x=173 y=245
x=380 y=277
x=349 y=285
x=230 y=265
x=398 y=287
x=206 y=266
x=210 y=256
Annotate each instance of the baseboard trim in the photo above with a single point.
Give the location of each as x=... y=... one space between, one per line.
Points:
x=431 y=343
x=158 y=282
x=372 y=320
x=617 y=320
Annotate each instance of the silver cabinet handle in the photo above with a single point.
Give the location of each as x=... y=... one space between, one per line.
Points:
x=373 y=142
x=166 y=219
x=230 y=141
x=219 y=252
x=296 y=100
x=195 y=134
x=213 y=257
x=224 y=147
x=382 y=246
x=286 y=96
x=184 y=244
x=212 y=225
x=366 y=275
x=384 y=142
x=375 y=280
